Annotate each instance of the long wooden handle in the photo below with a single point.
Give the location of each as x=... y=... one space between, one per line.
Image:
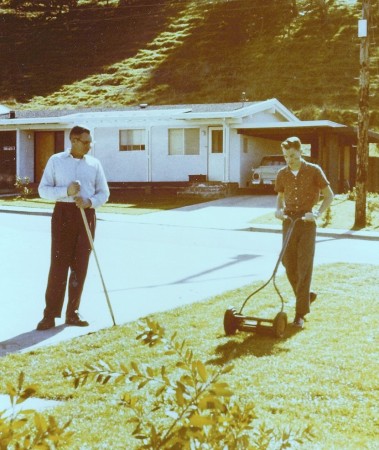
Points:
x=89 y=234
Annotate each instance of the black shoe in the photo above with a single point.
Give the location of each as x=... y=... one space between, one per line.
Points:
x=46 y=323
x=76 y=321
x=312 y=296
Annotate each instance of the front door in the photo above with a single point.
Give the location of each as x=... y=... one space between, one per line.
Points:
x=46 y=143
x=216 y=155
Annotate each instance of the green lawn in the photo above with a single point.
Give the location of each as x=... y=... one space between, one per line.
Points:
x=119 y=203
x=324 y=378
x=341 y=215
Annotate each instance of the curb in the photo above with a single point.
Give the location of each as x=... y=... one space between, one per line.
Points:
x=334 y=233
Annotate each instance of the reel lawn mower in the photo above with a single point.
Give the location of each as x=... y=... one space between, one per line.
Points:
x=234 y=320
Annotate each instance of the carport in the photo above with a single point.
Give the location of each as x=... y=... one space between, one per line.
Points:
x=333 y=146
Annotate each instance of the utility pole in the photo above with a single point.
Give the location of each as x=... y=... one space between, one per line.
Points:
x=363 y=117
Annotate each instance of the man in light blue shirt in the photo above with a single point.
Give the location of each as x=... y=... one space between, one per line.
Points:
x=73 y=180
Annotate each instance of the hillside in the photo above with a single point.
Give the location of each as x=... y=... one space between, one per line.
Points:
x=164 y=52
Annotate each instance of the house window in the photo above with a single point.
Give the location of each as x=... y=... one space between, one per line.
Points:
x=217 y=141
x=132 y=140
x=184 y=141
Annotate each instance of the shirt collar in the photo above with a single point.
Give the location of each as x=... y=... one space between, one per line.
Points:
x=303 y=163
x=68 y=154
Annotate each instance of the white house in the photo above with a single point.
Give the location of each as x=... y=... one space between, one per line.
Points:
x=150 y=144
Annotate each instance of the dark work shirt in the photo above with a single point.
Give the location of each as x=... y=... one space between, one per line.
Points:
x=301 y=192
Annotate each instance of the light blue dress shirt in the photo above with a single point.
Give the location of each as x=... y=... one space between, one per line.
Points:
x=62 y=169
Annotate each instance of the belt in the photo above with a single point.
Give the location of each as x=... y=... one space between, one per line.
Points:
x=65 y=204
x=295 y=214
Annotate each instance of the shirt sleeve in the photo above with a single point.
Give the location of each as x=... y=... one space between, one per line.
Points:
x=101 y=194
x=47 y=188
x=278 y=183
x=321 y=179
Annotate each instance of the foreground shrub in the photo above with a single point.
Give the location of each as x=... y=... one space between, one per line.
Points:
x=199 y=410
x=28 y=429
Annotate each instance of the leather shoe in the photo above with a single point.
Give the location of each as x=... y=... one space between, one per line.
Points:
x=46 y=323
x=76 y=321
x=312 y=297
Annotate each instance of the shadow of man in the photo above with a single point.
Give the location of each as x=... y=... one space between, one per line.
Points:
x=28 y=339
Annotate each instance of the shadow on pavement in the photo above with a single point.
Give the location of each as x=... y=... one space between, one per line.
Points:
x=28 y=339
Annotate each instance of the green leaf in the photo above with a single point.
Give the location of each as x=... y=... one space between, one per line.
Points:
x=201 y=421
x=21 y=379
x=202 y=371
x=222 y=390
x=135 y=367
x=40 y=423
x=143 y=384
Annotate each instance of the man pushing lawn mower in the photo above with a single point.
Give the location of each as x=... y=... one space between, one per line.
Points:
x=76 y=182
x=298 y=186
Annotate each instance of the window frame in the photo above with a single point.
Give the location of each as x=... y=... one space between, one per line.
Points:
x=183 y=151
x=133 y=146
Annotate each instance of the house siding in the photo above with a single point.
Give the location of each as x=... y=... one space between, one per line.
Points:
x=25 y=159
x=119 y=165
x=165 y=167
x=154 y=164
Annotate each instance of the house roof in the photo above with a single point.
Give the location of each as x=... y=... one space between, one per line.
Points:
x=306 y=130
x=235 y=110
x=199 y=108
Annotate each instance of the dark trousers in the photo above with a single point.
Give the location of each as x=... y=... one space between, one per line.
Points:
x=298 y=261
x=70 y=250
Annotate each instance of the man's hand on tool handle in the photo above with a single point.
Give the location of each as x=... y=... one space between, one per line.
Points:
x=279 y=214
x=308 y=217
x=74 y=189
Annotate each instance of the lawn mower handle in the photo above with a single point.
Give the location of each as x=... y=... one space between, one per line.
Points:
x=284 y=247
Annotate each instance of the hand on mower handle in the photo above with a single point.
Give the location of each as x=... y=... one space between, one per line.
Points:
x=82 y=202
x=310 y=217
x=73 y=188
x=279 y=214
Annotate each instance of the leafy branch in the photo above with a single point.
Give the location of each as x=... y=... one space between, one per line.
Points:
x=200 y=410
x=16 y=425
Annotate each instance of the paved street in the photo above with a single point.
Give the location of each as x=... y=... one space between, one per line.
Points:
x=150 y=263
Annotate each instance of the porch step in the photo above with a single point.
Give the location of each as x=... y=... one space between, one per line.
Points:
x=212 y=190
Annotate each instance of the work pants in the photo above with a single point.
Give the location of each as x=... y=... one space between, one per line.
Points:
x=70 y=250
x=298 y=261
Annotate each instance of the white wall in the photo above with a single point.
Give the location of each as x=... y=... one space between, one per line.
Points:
x=155 y=164
x=152 y=164
x=165 y=167
x=25 y=154
x=235 y=143
x=119 y=165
